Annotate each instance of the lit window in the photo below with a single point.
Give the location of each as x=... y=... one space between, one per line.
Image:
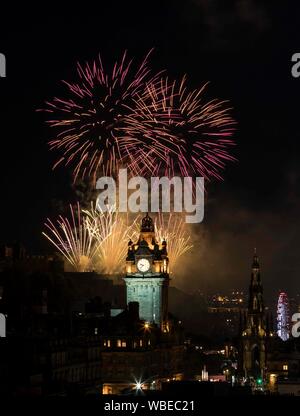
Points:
x=141 y=342
x=119 y=343
x=96 y=331
x=108 y=343
x=107 y=389
x=105 y=343
x=123 y=344
x=285 y=367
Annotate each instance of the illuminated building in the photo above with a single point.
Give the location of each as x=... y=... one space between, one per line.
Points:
x=283 y=317
x=232 y=303
x=147 y=275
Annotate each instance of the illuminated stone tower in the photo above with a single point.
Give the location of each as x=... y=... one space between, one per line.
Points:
x=283 y=317
x=254 y=332
x=147 y=275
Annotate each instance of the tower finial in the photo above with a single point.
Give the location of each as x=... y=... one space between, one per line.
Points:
x=255 y=263
x=147 y=224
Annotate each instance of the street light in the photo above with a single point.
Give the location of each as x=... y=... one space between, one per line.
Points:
x=259 y=381
x=138 y=386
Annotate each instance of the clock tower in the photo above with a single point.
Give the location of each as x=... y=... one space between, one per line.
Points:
x=147 y=275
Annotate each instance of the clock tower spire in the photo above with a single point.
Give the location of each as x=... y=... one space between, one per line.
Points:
x=147 y=275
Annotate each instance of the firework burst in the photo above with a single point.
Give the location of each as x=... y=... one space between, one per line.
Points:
x=171 y=227
x=89 y=123
x=111 y=231
x=73 y=240
x=175 y=130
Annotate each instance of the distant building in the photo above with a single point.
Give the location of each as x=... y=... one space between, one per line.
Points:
x=227 y=303
x=289 y=387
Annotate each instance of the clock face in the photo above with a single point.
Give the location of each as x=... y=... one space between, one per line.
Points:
x=143 y=265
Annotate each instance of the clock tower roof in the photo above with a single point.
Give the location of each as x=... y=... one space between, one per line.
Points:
x=147 y=224
x=143 y=248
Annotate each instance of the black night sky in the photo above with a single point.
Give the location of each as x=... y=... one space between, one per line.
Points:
x=243 y=47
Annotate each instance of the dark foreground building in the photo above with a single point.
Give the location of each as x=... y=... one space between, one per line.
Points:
x=56 y=346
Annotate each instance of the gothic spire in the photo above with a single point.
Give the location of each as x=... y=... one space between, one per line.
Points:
x=255 y=263
x=255 y=290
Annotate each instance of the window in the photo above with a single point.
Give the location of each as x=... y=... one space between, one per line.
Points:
x=119 y=343
x=106 y=389
x=141 y=342
x=96 y=331
x=285 y=367
x=106 y=343
x=123 y=344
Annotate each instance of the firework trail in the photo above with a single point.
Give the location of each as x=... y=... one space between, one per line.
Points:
x=174 y=130
x=73 y=240
x=171 y=227
x=88 y=123
x=98 y=240
x=111 y=231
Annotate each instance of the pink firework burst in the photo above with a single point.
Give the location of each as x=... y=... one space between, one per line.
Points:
x=172 y=129
x=89 y=123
